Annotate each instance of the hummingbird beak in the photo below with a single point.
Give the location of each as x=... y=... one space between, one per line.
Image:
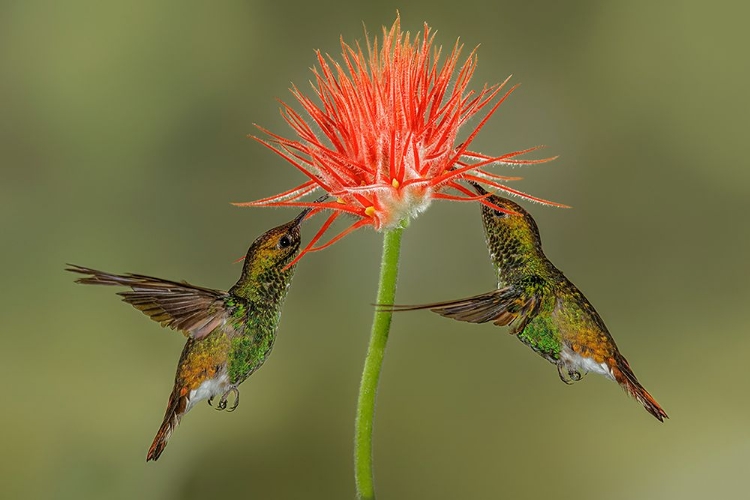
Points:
x=322 y=198
x=298 y=220
x=479 y=189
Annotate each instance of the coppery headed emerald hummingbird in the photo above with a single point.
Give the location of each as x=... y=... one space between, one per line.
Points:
x=229 y=334
x=542 y=307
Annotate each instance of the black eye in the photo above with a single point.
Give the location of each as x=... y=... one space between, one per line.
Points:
x=285 y=241
x=500 y=214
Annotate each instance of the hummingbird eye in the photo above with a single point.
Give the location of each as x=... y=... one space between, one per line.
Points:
x=285 y=241
x=500 y=214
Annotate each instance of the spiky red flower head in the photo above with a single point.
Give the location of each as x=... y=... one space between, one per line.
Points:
x=385 y=142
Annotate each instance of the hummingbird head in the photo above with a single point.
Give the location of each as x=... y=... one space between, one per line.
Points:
x=266 y=273
x=275 y=248
x=499 y=225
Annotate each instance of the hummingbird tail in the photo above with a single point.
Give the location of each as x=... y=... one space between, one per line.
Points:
x=627 y=380
x=175 y=410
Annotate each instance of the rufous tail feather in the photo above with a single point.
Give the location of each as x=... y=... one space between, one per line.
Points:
x=175 y=410
x=627 y=380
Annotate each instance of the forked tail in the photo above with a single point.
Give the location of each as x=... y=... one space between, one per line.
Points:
x=627 y=380
x=175 y=410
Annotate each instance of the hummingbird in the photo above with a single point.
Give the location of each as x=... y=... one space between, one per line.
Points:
x=229 y=334
x=540 y=305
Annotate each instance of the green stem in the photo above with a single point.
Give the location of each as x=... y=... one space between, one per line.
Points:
x=381 y=325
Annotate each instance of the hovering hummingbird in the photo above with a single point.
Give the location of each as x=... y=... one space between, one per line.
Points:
x=229 y=334
x=543 y=309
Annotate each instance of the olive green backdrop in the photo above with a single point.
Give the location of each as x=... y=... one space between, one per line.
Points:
x=122 y=142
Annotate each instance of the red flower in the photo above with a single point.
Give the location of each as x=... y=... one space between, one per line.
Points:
x=386 y=132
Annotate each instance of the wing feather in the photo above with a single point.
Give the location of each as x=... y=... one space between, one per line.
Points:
x=502 y=306
x=195 y=311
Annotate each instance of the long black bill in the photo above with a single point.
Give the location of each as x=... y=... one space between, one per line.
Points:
x=479 y=189
x=298 y=219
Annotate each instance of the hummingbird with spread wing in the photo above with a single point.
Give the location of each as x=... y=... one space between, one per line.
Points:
x=540 y=305
x=229 y=334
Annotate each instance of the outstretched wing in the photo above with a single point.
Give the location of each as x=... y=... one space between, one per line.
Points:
x=193 y=310
x=503 y=307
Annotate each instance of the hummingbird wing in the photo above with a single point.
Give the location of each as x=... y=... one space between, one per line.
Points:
x=193 y=310
x=502 y=306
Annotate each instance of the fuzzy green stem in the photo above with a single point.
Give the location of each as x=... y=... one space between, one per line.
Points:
x=381 y=326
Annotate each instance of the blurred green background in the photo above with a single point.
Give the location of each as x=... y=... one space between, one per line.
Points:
x=122 y=143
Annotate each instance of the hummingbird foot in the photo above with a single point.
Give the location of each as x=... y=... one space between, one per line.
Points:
x=568 y=374
x=224 y=397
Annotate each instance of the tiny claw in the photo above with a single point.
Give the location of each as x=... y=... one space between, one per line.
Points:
x=210 y=401
x=568 y=374
x=224 y=397
x=562 y=375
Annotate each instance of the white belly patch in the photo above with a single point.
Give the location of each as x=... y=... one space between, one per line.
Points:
x=209 y=388
x=574 y=360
